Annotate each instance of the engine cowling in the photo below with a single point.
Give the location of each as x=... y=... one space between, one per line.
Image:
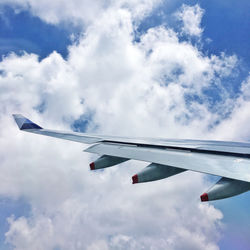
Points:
x=106 y=161
x=155 y=172
x=225 y=188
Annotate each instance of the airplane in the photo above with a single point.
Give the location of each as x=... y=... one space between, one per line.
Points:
x=166 y=157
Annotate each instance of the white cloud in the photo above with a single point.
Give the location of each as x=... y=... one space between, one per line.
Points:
x=235 y=126
x=80 y=11
x=191 y=16
x=128 y=88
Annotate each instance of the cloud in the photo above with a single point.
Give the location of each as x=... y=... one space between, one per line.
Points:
x=234 y=126
x=78 y=11
x=152 y=87
x=190 y=16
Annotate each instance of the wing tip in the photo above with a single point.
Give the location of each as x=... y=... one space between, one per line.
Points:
x=23 y=123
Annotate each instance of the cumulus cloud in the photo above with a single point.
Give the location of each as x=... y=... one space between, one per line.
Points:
x=191 y=16
x=78 y=11
x=234 y=126
x=152 y=87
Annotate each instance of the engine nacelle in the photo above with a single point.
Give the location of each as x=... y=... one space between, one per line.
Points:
x=106 y=161
x=155 y=172
x=225 y=188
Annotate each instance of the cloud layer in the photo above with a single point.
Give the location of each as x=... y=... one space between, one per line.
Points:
x=156 y=86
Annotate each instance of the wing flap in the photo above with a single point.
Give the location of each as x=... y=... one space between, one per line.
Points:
x=221 y=165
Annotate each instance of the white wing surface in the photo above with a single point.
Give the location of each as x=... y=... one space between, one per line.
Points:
x=231 y=160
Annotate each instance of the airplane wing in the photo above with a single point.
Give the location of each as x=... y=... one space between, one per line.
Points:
x=167 y=157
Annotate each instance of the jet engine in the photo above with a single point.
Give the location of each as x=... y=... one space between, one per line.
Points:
x=225 y=188
x=106 y=161
x=155 y=172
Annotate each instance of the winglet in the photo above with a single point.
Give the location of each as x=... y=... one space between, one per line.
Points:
x=24 y=123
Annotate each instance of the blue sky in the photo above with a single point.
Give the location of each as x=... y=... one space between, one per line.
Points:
x=226 y=29
x=226 y=23
x=24 y=32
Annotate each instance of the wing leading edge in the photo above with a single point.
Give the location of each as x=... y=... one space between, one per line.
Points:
x=231 y=160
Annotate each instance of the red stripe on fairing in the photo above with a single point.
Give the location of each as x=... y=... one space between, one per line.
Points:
x=135 y=179
x=204 y=197
x=92 y=166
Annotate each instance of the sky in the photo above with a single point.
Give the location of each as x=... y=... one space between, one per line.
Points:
x=169 y=69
